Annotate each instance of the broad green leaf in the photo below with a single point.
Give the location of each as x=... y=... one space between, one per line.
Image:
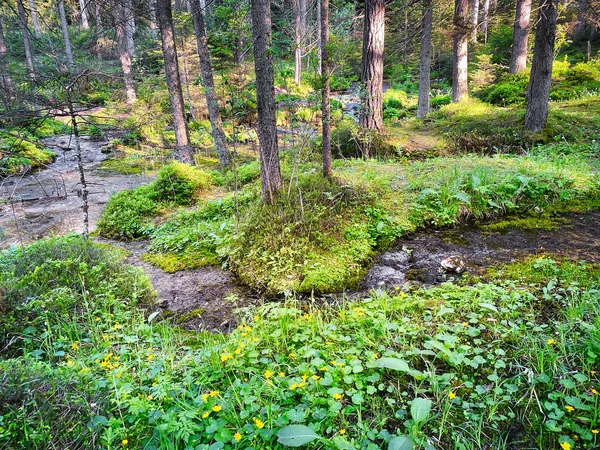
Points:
x=489 y=306
x=397 y=364
x=342 y=444
x=400 y=443
x=152 y=316
x=296 y=435
x=420 y=409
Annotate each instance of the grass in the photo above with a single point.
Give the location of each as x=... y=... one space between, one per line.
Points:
x=449 y=367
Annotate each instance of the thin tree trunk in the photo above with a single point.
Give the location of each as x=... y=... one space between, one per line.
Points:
x=270 y=172
x=7 y=85
x=164 y=17
x=186 y=80
x=518 y=60
x=214 y=113
x=425 y=65
x=85 y=23
x=460 y=69
x=300 y=33
x=124 y=55
x=474 y=20
x=26 y=41
x=326 y=71
x=129 y=26
x=34 y=19
x=538 y=92
x=153 y=25
x=485 y=12
x=99 y=26
x=65 y=31
x=372 y=65
x=81 y=169
x=319 y=32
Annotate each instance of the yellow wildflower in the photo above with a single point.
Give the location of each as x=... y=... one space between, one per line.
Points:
x=593 y=372
x=226 y=356
x=269 y=374
x=75 y=345
x=150 y=357
x=552 y=342
x=259 y=423
x=124 y=442
x=337 y=396
x=315 y=377
x=255 y=318
x=293 y=386
x=343 y=431
x=595 y=431
x=217 y=408
x=214 y=393
x=595 y=391
x=465 y=324
x=237 y=436
x=281 y=374
x=569 y=408
x=238 y=351
x=205 y=414
x=97 y=319
x=451 y=395
x=292 y=355
x=402 y=294
x=304 y=377
x=565 y=446
x=302 y=384
x=204 y=397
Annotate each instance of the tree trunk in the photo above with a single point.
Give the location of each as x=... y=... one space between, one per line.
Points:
x=214 y=113
x=124 y=56
x=319 y=32
x=474 y=20
x=153 y=25
x=425 y=65
x=270 y=172
x=5 y=80
x=372 y=65
x=538 y=92
x=26 y=41
x=326 y=71
x=34 y=19
x=485 y=12
x=460 y=69
x=300 y=33
x=85 y=23
x=129 y=26
x=81 y=169
x=164 y=16
x=518 y=60
x=99 y=26
x=65 y=31
x=582 y=10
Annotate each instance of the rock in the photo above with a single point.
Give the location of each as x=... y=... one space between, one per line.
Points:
x=383 y=277
x=454 y=264
x=397 y=260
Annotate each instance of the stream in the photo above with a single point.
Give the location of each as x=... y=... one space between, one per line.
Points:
x=47 y=202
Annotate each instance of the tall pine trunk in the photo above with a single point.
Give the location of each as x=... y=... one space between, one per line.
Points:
x=319 y=32
x=164 y=16
x=474 y=20
x=300 y=33
x=5 y=80
x=518 y=60
x=99 y=25
x=122 y=45
x=425 y=58
x=538 y=93
x=85 y=22
x=326 y=73
x=580 y=26
x=372 y=65
x=460 y=67
x=270 y=172
x=485 y=13
x=34 y=19
x=214 y=113
x=26 y=40
x=129 y=25
x=65 y=31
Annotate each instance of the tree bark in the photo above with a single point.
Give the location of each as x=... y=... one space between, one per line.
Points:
x=129 y=26
x=485 y=12
x=26 y=41
x=164 y=16
x=460 y=69
x=319 y=25
x=474 y=20
x=518 y=60
x=270 y=172
x=580 y=26
x=372 y=65
x=85 y=23
x=65 y=31
x=99 y=25
x=214 y=113
x=124 y=55
x=34 y=19
x=425 y=57
x=538 y=92
x=326 y=73
x=300 y=33
x=5 y=80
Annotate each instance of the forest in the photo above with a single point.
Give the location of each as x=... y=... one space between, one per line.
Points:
x=320 y=224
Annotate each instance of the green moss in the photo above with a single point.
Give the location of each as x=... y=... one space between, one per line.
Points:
x=186 y=317
x=545 y=221
x=173 y=262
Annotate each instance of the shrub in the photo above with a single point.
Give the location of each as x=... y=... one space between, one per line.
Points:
x=583 y=72
x=504 y=94
x=440 y=100
x=560 y=69
x=179 y=183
